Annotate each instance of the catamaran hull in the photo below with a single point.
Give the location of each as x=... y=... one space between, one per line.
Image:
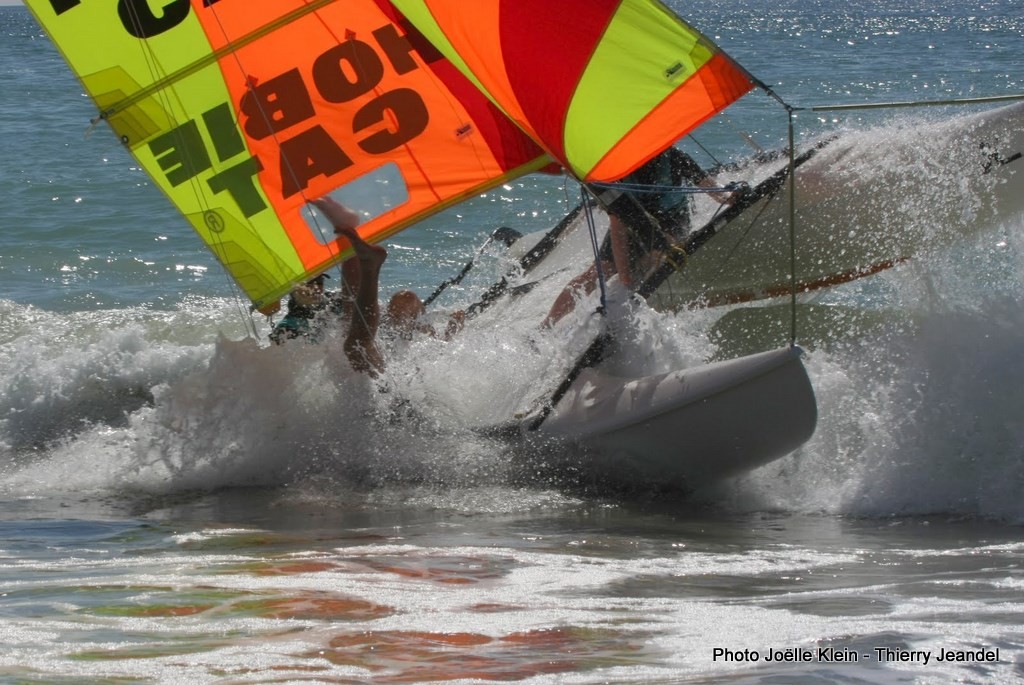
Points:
x=680 y=430
x=865 y=202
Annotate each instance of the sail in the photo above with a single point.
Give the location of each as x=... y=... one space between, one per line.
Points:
x=603 y=85
x=243 y=110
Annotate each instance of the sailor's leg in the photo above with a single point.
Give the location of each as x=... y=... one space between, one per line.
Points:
x=338 y=214
x=361 y=342
x=350 y=273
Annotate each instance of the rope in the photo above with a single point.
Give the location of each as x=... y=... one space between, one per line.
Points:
x=384 y=379
x=596 y=246
x=917 y=103
x=705 y=150
x=288 y=167
x=750 y=228
x=792 y=225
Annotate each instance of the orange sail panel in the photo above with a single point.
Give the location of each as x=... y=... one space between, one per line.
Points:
x=243 y=110
x=602 y=85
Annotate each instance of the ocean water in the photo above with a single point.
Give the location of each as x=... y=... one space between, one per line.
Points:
x=180 y=503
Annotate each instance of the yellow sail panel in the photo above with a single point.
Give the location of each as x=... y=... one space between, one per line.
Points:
x=602 y=85
x=651 y=96
x=242 y=111
x=163 y=96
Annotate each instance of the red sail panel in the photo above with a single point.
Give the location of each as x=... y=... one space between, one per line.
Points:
x=543 y=80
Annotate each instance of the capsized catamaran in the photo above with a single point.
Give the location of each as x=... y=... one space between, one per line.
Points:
x=244 y=110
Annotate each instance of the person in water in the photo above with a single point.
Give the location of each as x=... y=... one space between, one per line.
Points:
x=361 y=308
x=310 y=309
x=642 y=224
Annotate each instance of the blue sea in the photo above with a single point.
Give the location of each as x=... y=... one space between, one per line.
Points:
x=181 y=503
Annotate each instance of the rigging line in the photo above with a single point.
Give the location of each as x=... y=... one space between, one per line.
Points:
x=599 y=347
x=915 y=103
x=155 y=70
x=385 y=379
x=593 y=355
x=747 y=138
x=286 y=163
x=677 y=248
x=705 y=150
x=757 y=83
x=769 y=92
x=792 y=225
x=592 y=231
x=696 y=239
x=746 y=233
x=165 y=95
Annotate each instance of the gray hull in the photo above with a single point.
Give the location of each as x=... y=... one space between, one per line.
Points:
x=684 y=429
x=865 y=203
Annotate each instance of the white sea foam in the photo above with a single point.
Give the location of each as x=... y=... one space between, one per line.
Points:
x=924 y=418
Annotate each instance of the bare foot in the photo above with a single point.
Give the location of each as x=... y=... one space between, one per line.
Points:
x=338 y=214
x=365 y=252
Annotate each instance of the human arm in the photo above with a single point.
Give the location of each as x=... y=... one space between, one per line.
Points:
x=620 y=248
